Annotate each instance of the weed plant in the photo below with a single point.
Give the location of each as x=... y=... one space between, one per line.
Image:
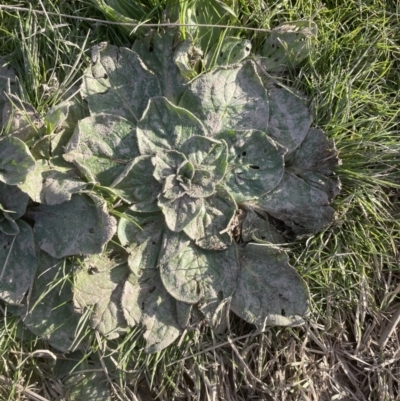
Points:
x=349 y=347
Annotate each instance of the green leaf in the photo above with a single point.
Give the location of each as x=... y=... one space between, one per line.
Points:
x=269 y=291
x=51 y=315
x=207 y=154
x=288 y=45
x=179 y=212
x=230 y=51
x=8 y=225
x=101 y=147
x=207 y=229
x=157 y=52
x=15 y=161
x=137 y=185
x=167 y=164
x=315 y=160
x=231 y=97
x=34 y=181
x=17 y=263
x=256 y=164
x=303 y=208
x=79 y=226
x=166 y=127
x=98 y=286
x=195 y=275
x=58 y=186
x=259 y=226
x=146 y=301
x=119 y=83
x=290 y=118
x=142 y=240
x=13 y=199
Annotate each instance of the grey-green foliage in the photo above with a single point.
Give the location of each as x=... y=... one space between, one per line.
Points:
x=209 y=177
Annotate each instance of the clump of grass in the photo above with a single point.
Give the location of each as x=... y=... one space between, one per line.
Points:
x=347 y=349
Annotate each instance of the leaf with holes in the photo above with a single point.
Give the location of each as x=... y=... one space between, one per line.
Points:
x=119 y=83
x=98 y=287
x=79 y=226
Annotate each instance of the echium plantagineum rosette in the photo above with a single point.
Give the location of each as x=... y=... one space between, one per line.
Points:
x=208 y=177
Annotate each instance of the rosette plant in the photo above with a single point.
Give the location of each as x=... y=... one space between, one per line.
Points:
x=204 y=180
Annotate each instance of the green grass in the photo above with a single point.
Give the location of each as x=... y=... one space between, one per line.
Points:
x=352 y=268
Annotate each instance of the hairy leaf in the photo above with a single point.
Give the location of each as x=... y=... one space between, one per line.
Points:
x=231 y=97
x=194 y=274
x=166 y=127
x=179 y=212
x=119 y=83
x=256 y=164
x=146 y=301
x=287 y=45
x=15 y=161
x=290 y=118
x=142 y=239
x=101 y=147
x=208 y=229
x=269 y=291
x=315 y=160
x=258 y=226
x=98 y=286
x=230 y=51
x=207 y=154
x=17 y=263
x=51 y=315
x=156 y=50
x=79 y=226
x=12 y=199
x=303 y=208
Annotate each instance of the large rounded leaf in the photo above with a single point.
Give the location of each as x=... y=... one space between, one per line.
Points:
x=51 y=315
x=303 y=208
x=12 y=199
x=157 y=51
x=17 y=263
x=287 y=45
x=197 y=275
x=119 y=83
x=315 y=160
x=15 y=161
x=146 y=301
x=165 y=126
x=226 y=98
x=290 y=118
x=269 y=291
x=256 y=164
x=102 y=146
x=142 y=238
x=137 y=185
x=80 y=226
x=98 y=286
x=181 y=211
